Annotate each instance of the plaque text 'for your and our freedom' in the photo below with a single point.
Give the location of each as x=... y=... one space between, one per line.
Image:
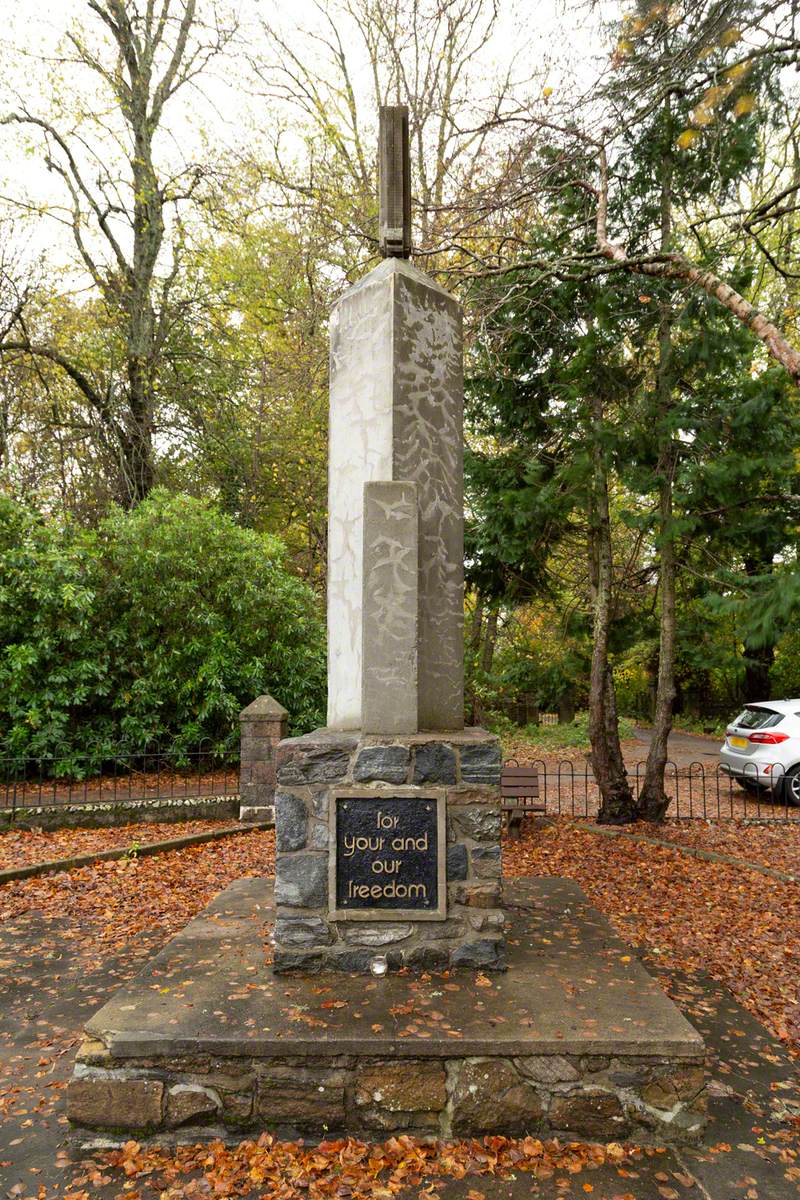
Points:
x=387 y=853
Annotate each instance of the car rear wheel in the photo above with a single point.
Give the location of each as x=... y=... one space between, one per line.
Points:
x=789 y=790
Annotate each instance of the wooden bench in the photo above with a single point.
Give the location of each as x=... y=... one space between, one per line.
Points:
x=519 y=787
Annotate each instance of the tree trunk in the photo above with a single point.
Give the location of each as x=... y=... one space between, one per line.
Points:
x=476 y=630
x=489 y=640
x=653 y=800
x=148 y=235
x=137 y=469
x=758 y=660
x=475 y=634
x=617 y=804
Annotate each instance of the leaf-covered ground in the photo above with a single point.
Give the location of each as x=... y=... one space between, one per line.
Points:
x=19 y=847
x=85 y=931
x=738 y=925
x=109 y=903
x=356 y=1170
x=741 y=926
x=774 y=844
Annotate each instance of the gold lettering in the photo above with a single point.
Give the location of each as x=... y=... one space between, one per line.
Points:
x=382 y=866
x=402 y=891
x=410 y=843
x=351 y=844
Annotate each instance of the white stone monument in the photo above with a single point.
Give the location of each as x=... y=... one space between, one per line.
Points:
x=388 y=820
x=396 y=417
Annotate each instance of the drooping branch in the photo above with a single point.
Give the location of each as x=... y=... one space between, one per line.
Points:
x=677 y=266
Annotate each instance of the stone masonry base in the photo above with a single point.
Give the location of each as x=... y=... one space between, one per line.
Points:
x=575 y=1040
x=592 y=1096
x=461 y=768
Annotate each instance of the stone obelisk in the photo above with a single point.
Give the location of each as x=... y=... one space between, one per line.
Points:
x=388 y=820
x=396 y=417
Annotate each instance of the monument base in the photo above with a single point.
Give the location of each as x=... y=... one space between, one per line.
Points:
x=574 y=1040
x=453 y=919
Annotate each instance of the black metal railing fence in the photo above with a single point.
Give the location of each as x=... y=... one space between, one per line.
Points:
x=121 y=777
x=565 y=787
x=698 y=791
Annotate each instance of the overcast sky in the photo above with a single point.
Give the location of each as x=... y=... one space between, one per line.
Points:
x=558 y=42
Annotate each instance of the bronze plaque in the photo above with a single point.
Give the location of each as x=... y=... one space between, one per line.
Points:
x=388 y=856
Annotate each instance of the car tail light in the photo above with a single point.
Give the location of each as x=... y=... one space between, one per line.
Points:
x=767 y=738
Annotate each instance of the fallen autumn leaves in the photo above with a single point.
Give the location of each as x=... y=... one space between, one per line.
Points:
x=738 y=925
x=20 y=847
x=113 y=901
x=347 y=1167
x=774 y=844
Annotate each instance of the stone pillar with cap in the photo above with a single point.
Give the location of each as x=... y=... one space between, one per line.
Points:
x=388 y=820
x=262 y=726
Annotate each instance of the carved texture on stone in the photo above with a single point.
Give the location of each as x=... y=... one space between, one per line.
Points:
x=390 y=608
x=397 y=415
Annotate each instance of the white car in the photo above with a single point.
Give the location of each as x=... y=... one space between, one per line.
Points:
x=762 y=749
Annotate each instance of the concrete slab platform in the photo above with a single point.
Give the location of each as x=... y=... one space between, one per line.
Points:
x=576 y=1037
x=571 y=985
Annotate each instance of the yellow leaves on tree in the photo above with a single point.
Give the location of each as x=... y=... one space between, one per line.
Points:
x=688 y=138
x=737 y=72
x=712 y=100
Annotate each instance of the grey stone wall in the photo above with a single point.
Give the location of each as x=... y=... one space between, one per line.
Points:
x=573 y=1096
x=464 y=767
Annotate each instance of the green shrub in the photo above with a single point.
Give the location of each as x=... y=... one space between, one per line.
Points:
x=158 y=627
x=785 y=674
x=547 y=738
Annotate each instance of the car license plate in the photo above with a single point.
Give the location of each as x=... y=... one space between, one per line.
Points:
x=737 y=741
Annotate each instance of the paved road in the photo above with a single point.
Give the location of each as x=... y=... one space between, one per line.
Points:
x=683 y=747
